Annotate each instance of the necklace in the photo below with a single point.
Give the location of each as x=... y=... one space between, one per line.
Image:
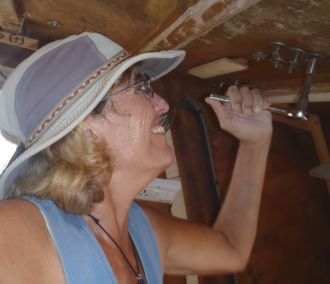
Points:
x=137 y=273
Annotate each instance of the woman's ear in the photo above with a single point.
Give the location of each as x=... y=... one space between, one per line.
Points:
x=90 y=126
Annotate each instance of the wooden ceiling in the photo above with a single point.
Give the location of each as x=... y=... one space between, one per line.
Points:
x=206 y=29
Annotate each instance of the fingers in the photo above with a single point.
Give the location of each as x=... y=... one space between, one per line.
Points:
x=246 y=101
x=242 y=101
x=235 y=98
x=257 y=101
x=266 y=103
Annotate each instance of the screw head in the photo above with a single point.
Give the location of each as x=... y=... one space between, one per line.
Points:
x=259 y=55
x=301 y=115
x=54 y=24
x=279 y=44
x=315 y=55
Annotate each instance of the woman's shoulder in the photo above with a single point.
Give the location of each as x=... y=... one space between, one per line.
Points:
x=21 y=226
x=24 y=239
x=18 y=215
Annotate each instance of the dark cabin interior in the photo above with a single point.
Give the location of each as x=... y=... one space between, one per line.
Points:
x=282 y=48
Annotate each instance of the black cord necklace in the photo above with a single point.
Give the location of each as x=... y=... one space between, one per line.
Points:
x=137 y=273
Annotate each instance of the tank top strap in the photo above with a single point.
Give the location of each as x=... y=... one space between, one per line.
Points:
x=145 y=242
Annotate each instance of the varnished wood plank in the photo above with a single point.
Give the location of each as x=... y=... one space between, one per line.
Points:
x=197 y=20
x=322 y=171
x=18 y=40
x=218 y=67
x=126 y=22
x=319 y=93
x=313 y=126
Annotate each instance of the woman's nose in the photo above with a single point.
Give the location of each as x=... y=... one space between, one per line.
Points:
x=160 y=105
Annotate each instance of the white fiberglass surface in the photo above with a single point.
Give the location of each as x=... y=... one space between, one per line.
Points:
x=7 y=149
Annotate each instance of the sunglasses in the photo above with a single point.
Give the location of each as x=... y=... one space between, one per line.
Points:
x=146 y=89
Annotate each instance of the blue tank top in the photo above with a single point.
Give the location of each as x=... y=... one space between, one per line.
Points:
x=83 y=260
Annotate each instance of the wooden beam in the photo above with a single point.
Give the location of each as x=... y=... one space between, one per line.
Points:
x=18 y=40
x=319 y=93
x=313 y=126
x=301 y=124
x=198 y=20
x=319 y=139
x=322 y=171
x=219 y=67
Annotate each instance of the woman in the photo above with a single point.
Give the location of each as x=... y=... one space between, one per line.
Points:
x=92 y=137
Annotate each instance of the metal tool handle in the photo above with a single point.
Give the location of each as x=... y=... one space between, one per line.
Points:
x=226 y=99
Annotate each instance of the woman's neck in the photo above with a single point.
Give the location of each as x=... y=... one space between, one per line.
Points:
x=119 y=193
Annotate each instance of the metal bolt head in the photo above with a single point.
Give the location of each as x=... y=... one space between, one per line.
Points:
x=279 y=44
x=297 y=53
x=315 y=55
x=54 y=24
x=297 y=50
x=300 y=114
x=259 y=55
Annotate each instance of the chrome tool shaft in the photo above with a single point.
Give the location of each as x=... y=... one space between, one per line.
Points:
x=226 y=99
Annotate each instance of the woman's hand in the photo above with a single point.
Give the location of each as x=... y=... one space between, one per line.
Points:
x=245 y=116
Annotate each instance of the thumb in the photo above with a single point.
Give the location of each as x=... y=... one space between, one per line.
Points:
x=217 y=107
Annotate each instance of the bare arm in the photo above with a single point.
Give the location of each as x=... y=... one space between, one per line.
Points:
x=27 y=251
x=192 y=248
x=245 y=119
x=239 y=213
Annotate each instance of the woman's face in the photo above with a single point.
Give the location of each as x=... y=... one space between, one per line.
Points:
x=131 y=127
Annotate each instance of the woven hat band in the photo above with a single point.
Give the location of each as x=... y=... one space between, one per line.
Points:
x=85 y=84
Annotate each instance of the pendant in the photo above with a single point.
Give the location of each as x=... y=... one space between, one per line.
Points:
x=139 y=279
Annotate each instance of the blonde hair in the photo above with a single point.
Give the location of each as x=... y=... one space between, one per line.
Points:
x=69 y=172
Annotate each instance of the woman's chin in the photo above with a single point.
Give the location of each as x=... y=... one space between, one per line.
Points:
x=168 y=161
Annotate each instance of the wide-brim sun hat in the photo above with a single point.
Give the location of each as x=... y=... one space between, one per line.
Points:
x=58 y=86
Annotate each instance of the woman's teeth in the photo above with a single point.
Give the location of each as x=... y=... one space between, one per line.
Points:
x=158 y=130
